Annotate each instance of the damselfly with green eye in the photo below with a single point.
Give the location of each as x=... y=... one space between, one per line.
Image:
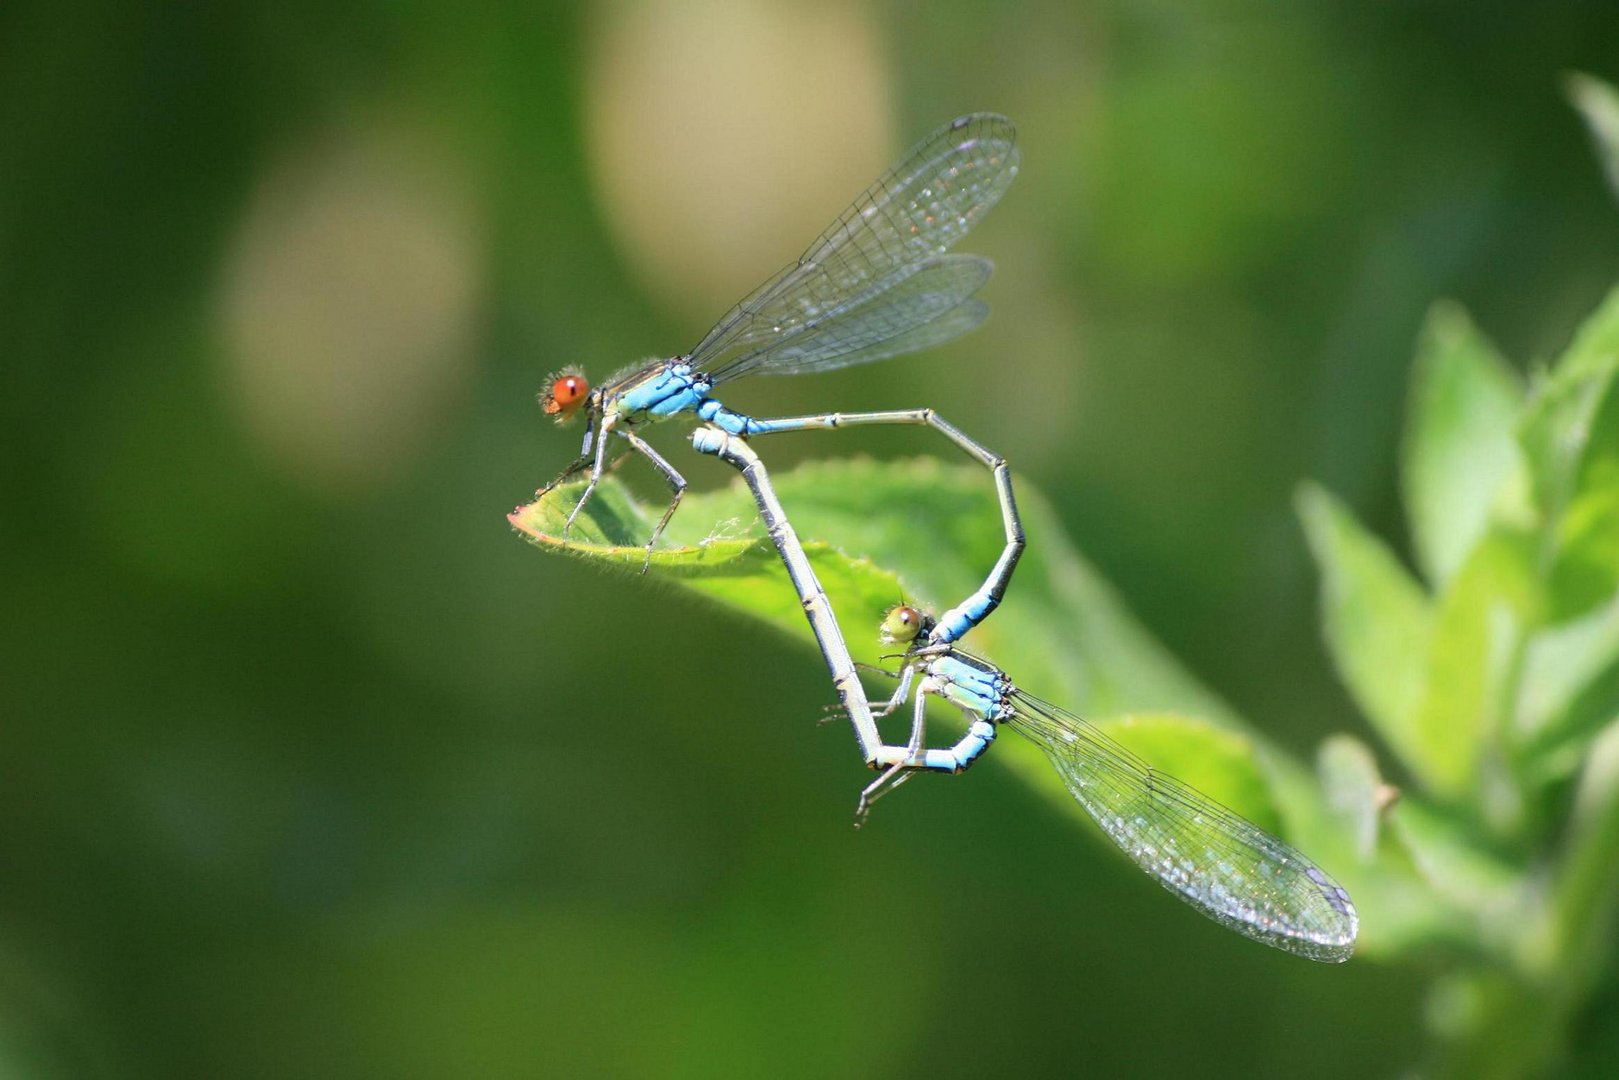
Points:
x=1215 y=860
x=878 y=283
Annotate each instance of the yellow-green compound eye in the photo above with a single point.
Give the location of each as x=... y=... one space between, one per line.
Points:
x=901 y=624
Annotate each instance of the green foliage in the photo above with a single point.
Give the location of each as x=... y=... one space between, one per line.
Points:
x=1489 y=673
x=1377 y=619
x=1491 y=683
x=1459 y=439
x=1488 y=678
x=924 y=532
x=927 y=532
x=934 y=531
x=1599 y=104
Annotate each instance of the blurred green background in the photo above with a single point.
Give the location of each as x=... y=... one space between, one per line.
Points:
x=311 y=767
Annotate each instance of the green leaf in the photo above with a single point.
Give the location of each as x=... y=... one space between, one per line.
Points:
x=1378 y=626
x=1354 y=790
x=1346 y=833
x=1457 y=870
x=1477 y=628
x=1561 y=418
x=1586 y=879
x=1585 y=575
x=1598 y=103
x=1459 y=445
x=929 y=533
x=733 y=561
x=913 y=530
x=1585 y=570
x=1570 y=691
x=613 y=526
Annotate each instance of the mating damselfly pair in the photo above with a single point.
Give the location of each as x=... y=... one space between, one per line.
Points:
x=880 y=282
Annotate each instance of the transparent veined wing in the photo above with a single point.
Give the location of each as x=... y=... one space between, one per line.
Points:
x=911 y=315
x=1219 y=862
x=963 y=318
x=912 y=214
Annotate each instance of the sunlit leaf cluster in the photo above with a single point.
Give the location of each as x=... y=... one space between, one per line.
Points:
x=1474 y=817
x=1490 y=675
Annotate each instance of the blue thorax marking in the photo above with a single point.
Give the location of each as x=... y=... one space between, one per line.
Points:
x=675 y=388
x=963 y=674
x=971 y=687
x=671 y=389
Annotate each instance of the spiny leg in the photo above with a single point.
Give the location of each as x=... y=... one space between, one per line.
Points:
x=596 y=471
x=901 y=692
x=574 y=469
x=905 y=675
x=919 y=722
x=677 y=484
x=579 y=462
x=896 y=774
x=891 y=778
x=563 y=476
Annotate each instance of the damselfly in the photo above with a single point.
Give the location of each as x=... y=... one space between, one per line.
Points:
x=1220 y=863
x=878 y=283
x=1217 y=861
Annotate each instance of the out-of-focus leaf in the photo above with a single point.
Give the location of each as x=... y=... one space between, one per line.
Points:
x=1467 y=877
x=1569 y=692
x=1377 y=624
x=1598 y=103
x=1564 y=407
x=1398 y=910
x=1477 y=625
x=1586 y=880
x=1459 y=444
x=1585 y=575
x=1353 y=788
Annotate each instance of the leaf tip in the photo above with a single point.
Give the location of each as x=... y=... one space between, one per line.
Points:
x=517 y=521
x=1446 y=322
x=1586 y=91
x=1316 y=508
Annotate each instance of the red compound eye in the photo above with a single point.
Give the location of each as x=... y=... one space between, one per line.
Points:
x=566 y=394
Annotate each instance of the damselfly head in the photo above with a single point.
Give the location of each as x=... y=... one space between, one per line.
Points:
x=569 y=390
x=901 y=625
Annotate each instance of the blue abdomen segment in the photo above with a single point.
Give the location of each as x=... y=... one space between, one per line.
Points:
x=728 y=420
x=961 y=756
x=668 y=391
x=962 y=618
